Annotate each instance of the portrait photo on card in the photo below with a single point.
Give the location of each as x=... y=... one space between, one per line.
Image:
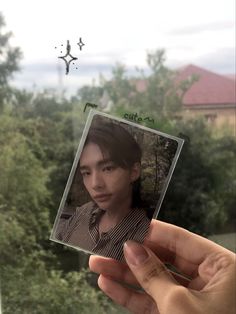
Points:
x=116 y=186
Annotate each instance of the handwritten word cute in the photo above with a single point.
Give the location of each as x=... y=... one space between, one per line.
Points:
x=134 y=117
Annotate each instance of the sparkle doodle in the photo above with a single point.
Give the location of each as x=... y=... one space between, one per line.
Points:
x=80 y=44
x=68 y=57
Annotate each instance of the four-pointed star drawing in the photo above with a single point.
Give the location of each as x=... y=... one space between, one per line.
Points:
x=68 y=58
x=80 y=43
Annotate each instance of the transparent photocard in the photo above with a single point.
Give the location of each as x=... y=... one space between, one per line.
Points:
x=116 y=186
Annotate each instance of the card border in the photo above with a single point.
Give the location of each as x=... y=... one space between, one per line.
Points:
x=90 y=117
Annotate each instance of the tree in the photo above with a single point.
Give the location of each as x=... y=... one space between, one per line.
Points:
x=23 y=194
x=37 y=146
x=9 y=62
x=37 y=292
x=35 y=149
x=39 y=135
x=200 y=195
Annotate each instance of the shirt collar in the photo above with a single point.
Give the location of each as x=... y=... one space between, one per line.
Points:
x=129 y=222
x=96 y=214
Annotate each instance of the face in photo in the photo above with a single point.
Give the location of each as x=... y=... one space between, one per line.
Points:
x=108 y=184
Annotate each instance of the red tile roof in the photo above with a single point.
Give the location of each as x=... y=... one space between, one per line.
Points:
x=210 y=89
x=231 y=76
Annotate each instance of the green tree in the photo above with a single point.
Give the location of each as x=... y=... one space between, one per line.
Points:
x=37 y=144
x=23 y=179
x=26 y=168
x=39 y=134
x=201 y=187
x=200 y=195
x=9 y=62
x=42 y=291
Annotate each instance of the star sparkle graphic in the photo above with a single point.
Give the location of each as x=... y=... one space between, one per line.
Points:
x=68 y=58
x=80 y=43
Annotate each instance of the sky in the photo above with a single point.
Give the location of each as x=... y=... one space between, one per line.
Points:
x=198 y=32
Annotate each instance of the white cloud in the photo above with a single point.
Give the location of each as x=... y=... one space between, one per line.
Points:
x=199 y=28
x=121 y=31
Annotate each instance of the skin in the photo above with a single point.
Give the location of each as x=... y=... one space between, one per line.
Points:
x=109 y=185
x=209 y=289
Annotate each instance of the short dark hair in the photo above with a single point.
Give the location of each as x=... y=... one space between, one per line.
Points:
x=115 y=140
x=120 y=145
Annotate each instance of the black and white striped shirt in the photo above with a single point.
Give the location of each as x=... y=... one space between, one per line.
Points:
x=81 y=231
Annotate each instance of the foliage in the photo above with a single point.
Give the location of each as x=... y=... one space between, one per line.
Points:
x=200 y=196
x=201 y=185
x=37 y=147
x=9 y=61
x=39 y=134
x=24 y=230
x=50 y=292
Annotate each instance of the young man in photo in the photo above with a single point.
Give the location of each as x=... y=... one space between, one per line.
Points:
x=110 y=165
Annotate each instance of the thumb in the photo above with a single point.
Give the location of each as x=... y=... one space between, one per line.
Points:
x=150 y=272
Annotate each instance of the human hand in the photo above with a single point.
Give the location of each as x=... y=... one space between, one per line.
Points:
x=211 y=289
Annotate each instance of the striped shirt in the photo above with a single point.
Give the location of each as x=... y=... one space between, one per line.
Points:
x=82 y=230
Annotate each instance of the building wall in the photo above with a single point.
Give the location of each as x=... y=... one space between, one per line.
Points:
x=218 y=116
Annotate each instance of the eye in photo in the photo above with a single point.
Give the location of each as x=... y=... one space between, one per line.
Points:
x=116 y=186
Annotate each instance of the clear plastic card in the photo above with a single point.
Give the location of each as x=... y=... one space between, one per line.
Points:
x=117 y=183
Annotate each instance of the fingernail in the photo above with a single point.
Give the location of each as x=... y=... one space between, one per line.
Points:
x=135 y=253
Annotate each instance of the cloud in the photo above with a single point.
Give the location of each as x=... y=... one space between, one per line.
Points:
x=52 y=68
x=50 y=74
x=41 y=75
x=196 y=29
x=220 y=61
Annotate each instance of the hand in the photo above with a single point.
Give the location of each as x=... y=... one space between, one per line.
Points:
x=209 y=267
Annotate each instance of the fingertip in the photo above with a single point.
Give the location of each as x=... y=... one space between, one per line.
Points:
x=135 y=253
x=95 y=261
x=92 y=262
x=100 y=280
x=148 y=269
x=104 y=283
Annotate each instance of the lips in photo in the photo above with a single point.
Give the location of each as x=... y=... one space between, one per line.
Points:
x=102 y=197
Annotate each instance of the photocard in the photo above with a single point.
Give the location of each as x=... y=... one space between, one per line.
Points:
x=116 y=186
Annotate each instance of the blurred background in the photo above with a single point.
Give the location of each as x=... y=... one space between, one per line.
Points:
x=169 y=66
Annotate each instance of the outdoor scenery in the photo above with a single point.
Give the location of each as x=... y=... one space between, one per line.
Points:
x=39 y=135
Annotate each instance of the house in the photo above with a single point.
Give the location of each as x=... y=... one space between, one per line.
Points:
x=211 y=96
